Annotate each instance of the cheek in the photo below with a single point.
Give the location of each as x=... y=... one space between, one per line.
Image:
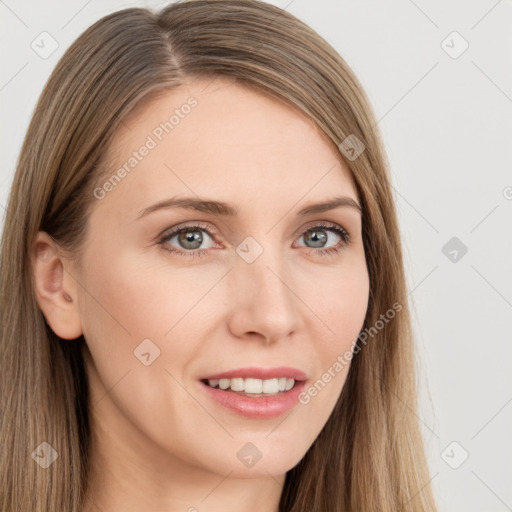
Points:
x=122 y=305
x=339 y=303
x=339 y=307
x=132 y=298
x=137 y=294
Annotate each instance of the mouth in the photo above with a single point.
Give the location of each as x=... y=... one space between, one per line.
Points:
x=257 y=393
x=251 y=386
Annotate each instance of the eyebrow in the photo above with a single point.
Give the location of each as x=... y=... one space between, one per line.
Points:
x=229 y=210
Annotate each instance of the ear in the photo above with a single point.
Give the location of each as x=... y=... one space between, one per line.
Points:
x=55 y=287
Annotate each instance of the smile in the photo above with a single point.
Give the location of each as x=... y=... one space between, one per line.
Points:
x=256 y=392
x=253 y=387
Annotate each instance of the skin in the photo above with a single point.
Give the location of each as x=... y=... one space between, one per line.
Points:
x=160 y=443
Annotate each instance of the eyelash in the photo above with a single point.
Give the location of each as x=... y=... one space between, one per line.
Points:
x=345 y=239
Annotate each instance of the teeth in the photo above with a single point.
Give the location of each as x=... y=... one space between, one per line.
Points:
x=254 y=386
x=237 y=385
x=270 y=386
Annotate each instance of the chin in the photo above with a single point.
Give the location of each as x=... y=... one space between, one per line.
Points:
x=262 y=456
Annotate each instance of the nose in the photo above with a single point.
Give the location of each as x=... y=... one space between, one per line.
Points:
x=263 y=301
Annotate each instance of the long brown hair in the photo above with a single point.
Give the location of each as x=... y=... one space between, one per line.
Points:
x=370 y=454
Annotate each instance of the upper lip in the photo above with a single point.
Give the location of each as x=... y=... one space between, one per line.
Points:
x=260 y=373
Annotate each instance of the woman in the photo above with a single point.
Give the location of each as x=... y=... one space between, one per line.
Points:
x=202 y=287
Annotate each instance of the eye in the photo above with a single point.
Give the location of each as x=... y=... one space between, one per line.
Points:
x=318 y=237
x=190 y=238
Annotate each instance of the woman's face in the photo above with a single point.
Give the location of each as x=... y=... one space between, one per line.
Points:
x=256 y=292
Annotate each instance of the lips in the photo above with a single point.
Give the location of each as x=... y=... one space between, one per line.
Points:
x=261 y=405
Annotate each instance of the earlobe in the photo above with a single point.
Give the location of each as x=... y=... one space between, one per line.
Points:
x=55 y=288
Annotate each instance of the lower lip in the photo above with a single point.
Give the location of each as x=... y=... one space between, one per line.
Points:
x=257 y=407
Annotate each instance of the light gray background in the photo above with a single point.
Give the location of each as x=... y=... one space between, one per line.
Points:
x=447 y=127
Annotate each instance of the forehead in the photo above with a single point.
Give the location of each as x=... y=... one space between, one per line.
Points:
x=217 y=137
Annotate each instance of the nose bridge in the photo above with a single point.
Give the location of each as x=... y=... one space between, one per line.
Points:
x=262 y=297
